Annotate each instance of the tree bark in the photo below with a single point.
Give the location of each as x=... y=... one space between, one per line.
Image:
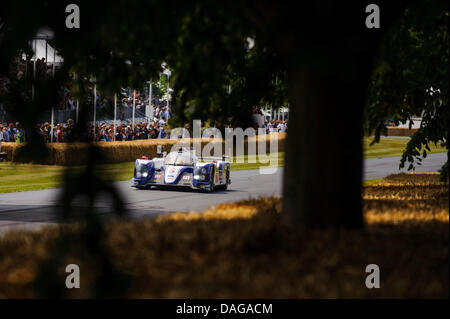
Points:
x=330 y=53
x=323 y=164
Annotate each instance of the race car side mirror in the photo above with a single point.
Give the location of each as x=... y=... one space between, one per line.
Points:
x=158 y=149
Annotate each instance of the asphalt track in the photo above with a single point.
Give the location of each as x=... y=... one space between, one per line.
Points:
x=33 y=209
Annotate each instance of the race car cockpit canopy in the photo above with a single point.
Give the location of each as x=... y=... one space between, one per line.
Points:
x=180 y=159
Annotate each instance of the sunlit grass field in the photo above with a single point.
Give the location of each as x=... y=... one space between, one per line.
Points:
x=25 y=177
x=392 y=147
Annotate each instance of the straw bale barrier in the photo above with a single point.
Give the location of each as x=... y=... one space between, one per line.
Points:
x=68 y=154
x=400 y=131
x=397 y=131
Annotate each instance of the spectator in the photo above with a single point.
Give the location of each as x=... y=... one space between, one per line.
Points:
x=12 y=131
x=60 y=137
x=20 y=135
x=5 y=134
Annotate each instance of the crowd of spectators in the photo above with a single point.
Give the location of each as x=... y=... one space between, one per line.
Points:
x=124 y=105
x=273 y=125
x=11 y=133
x=161 y=107
x=124 y=131
x=152 y=128
x=24 y=69
x=103 y=132
x=276 y=126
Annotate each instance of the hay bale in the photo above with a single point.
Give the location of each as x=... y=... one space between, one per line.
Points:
x=395 y=131
x=400 y=131
x=9 y=149
x=68 y=154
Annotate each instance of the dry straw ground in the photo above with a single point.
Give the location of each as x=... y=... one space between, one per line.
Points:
x=114 y=152
x=242 y=250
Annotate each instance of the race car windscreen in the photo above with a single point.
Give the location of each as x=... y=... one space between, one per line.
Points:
x=178 y=159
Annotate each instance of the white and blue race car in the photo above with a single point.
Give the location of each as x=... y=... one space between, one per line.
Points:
x=183 y=169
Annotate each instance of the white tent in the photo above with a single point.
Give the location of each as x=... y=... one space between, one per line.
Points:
x=39 y=50
x=42 y=49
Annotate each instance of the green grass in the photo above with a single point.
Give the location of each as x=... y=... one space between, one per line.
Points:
x=25 y=177
x=368 y=182
x=252 y=161
x=391 y=147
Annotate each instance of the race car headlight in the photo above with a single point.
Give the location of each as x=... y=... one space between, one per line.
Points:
x=142 y=171
x=200 y=173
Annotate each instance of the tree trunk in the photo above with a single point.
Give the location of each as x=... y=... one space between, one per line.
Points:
x=330 y=53
x=323 y=164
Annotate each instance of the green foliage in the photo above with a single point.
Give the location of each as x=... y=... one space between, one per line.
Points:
x=411 y=79
x=160 y=87
x=124 y=44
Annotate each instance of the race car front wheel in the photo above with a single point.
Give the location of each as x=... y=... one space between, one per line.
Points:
x=211 y=181
x=227 y=178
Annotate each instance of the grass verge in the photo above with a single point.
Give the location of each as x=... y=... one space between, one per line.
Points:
x=368 y=182
x=389 y=147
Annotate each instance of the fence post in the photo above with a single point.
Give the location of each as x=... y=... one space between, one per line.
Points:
x=95 y=106
x=115 y=112
x=51 y=124
x=134 y=109
x=76 y=114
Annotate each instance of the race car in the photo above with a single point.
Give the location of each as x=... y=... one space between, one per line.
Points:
x=182 y=169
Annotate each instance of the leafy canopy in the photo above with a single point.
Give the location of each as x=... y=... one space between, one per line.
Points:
x=215 y=76
x=412 y=80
